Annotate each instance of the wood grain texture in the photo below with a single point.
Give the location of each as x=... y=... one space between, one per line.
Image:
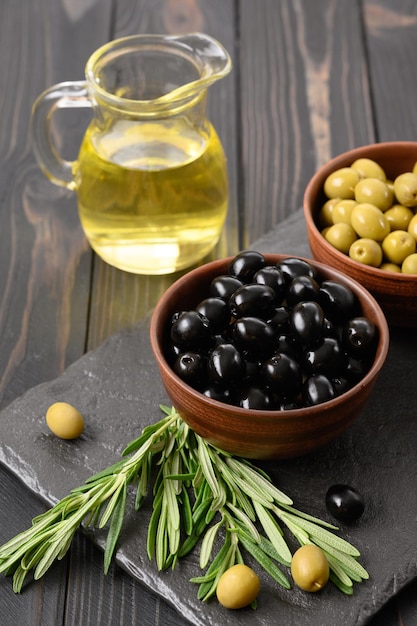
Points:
x=305 y=97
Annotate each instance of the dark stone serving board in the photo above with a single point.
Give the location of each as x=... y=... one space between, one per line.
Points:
x=118 y=389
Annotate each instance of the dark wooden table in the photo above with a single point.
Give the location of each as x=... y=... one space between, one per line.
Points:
x=310 y=80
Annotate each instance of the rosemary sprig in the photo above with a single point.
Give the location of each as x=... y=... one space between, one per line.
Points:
x=200 y=495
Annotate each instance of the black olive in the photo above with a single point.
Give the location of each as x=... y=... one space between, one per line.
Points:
x=345 y=503
x=337 y=300
x=220 y=393
x=223 y=286
x=317 y=389
x=191 y=330
x=279 y=319
x=285 y=342
x=225 y=364
x=302 y=288
x=306 y=322
x=293 y=267
x=216 y=311
x=254 y=398
x=282 y=374
x=324 y=357
x=245 y=265
x=341 y=384
x=359 y=336
x=252 y=301
x=274 y=278
x=254 y=336
x=190 y=366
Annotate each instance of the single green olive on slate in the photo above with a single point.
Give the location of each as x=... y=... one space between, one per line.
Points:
x=238 y=587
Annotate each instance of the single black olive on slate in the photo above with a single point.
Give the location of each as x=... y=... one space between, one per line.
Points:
x=345 y=503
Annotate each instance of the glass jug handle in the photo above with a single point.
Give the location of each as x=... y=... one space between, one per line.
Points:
x=71 y=94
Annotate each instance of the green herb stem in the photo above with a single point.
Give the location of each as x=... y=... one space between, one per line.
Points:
x=200 y=494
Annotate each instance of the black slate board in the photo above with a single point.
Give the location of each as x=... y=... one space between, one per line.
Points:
x=117 y=388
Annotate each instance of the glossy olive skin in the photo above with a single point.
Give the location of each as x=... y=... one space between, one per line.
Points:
x=245 y=265
x=253 y=348
x=224 y=286
x=359 y=336
x=225 y=363
x=310 y=568
x=190 y=330
x=345 y=503
x=252 y=300
x=216 y=311
x=238 y=587
x=317 y=389
x=306 y=322
x=64 y=420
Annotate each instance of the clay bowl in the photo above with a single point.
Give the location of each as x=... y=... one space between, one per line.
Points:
x=260 y=434
x=396 y=293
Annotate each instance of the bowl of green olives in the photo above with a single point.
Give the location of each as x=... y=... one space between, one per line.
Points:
x=268 y=356
x=361 y=216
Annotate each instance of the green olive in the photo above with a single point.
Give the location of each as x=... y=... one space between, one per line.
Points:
x=412 y=227
x=367 y=168
x=390 y=267
x=398 y=245
x=340 y=236
x=409 y=265
x=326 y=211
x=341 y=183
x=310 y=568
x=399 y=217
x=366 y=251
x=375 y=191
x=64 y=420
x=405 y=188
x=369 y=221
x=342 y=211
x=238 y=587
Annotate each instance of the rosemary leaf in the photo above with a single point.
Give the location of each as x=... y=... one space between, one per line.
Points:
x=207 y=544
x=115 y=528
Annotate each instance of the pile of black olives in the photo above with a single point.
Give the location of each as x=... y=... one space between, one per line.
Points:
x=272 y=337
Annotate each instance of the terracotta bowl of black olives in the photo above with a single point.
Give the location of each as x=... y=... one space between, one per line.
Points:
x=361 y=215
x=268 y=356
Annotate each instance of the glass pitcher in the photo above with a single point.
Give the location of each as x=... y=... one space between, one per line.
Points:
x=151 y=174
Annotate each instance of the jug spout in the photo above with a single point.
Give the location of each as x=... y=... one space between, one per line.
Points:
x=211 y=60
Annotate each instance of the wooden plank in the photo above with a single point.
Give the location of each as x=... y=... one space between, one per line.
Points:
x=305 y=98
x=391 y=30
x=44 y=282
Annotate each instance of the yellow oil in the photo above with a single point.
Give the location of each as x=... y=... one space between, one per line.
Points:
x=152 y=196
